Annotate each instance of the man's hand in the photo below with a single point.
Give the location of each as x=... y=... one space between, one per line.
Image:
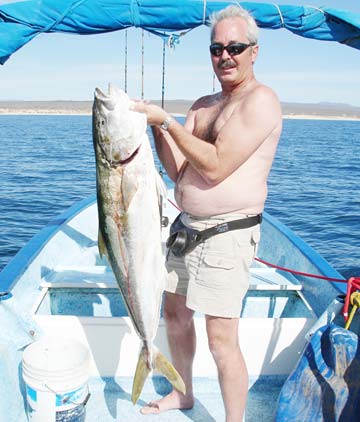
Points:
x=155 y=114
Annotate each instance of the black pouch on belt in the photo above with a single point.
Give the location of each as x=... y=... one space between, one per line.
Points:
x=183 y=239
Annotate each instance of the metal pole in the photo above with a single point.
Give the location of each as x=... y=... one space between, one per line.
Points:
x=142 y=64
x=163 y=77
x=126 y=42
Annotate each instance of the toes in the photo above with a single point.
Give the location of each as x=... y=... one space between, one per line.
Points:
x=150 y=408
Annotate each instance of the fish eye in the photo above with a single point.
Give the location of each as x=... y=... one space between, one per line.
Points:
x=100 y=123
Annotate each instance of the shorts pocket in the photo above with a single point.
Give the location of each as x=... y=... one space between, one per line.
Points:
x=222 y=262
x=247 y=244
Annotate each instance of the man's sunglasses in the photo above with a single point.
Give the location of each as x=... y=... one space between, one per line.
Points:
x=234 y=49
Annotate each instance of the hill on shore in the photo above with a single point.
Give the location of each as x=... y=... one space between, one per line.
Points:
x=329 y=110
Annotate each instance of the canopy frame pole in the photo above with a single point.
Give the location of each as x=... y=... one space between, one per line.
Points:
x=163 y=76
x=142 y=64
x=126 y=61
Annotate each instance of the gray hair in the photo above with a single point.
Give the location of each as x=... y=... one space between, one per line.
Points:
x=234 y=11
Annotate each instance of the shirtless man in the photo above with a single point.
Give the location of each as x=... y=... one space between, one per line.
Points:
x=220 y=161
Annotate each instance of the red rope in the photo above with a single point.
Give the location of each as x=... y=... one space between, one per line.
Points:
x=173 y=204
x=340 y=280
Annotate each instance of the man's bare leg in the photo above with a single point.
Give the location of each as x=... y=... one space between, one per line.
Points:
x=182 y=343
x=232 y=372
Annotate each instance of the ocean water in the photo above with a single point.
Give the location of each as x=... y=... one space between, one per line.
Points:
x=47 y=163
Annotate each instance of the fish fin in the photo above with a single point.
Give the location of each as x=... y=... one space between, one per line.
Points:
x=162 y=365
x=141 y=373
x=129 y=187
x=101 y=245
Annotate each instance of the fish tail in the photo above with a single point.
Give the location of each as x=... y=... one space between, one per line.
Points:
x=162 y=365
x=141 y=373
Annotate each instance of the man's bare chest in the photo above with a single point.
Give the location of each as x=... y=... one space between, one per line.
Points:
x=209 y=121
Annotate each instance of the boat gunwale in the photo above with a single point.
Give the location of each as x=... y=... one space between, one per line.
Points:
x=25 y=256
x=322 y=265
x=18 y=265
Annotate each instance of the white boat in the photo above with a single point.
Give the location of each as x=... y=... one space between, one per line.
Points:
x=58 y=284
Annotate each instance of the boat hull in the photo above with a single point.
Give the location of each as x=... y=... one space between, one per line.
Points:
x=58 y=283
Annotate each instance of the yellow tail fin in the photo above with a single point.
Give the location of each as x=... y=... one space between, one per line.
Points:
x=141 y=373
x=161 y=364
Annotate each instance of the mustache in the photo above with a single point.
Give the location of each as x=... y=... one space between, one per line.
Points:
x=225 y=63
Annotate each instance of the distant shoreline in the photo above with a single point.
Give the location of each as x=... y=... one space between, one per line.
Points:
x=321 y=111
x=318 y=117
x=74 y=113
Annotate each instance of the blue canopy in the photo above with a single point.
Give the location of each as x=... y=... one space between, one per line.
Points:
x=21 y=21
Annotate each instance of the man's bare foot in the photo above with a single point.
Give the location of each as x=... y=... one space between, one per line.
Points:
x=174 y=400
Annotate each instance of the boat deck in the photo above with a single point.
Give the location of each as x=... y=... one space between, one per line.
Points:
x=116 y=404
x=274 y=320
x=92 y=292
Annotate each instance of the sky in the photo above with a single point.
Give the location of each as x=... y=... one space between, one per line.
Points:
x=69 y=67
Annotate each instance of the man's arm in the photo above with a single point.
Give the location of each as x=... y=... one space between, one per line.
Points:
x=169 y=153
x=249 y=125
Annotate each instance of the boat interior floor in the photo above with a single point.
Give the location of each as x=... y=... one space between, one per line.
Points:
x=110 y=400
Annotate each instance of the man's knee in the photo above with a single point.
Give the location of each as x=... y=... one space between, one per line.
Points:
x=218 y=347
x=175 y=311
x=222 y=338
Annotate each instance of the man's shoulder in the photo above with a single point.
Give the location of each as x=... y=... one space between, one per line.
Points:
x=261 y=91
x=205 y=101
x=261 y=97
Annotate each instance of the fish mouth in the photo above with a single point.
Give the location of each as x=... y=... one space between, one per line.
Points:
x=104 y=100
x=109 y=99
x=127 y=160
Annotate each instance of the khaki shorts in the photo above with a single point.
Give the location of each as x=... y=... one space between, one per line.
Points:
x=214 y=277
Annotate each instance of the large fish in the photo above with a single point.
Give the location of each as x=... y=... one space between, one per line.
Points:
x=128 y=192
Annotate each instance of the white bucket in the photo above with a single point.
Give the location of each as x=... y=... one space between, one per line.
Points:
x=55 y=372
